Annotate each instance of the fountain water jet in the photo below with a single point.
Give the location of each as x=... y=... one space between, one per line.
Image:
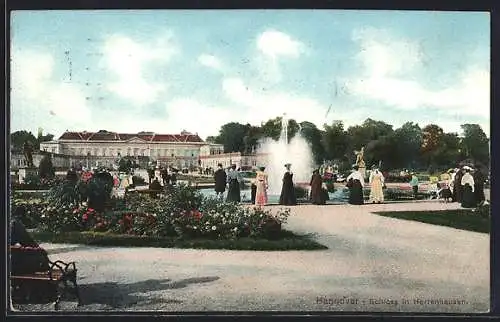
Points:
x=296 y=151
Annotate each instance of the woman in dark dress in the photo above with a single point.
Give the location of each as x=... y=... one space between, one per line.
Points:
x=467 y=183
x=233 y=179
x=478 y=186
x=457 y=186
x=355 y=183
x=317 y=193
x=287 y=196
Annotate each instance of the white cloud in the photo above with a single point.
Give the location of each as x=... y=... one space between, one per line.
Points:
x=128 y=59
x=389 y=69
x=276 y=44
x=193 y=116
x=210 y=61
x=260 y=106
x=272 y=48
x=39 y=100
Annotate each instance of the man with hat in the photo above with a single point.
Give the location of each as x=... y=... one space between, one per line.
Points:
x=220 y=178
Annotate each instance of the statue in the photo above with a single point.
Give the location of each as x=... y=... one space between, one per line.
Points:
x=359 y=157
x=28 y=153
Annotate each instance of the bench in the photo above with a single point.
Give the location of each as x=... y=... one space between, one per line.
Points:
x=24 y=282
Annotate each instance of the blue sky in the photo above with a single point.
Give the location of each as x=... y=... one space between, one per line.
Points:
x=166 y=71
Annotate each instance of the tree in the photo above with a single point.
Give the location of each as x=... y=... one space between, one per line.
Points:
x=407 y=142
x=231 y=136
x=336 y=141
x=313 y=136
x=448 y=151
x=18 y=138
x=475 y=143
x=46 y=169
x=252 y=137
x=211 y=139
x=272 y=128
x=432 y=135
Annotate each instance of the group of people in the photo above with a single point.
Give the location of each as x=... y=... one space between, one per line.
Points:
x=168 y=176
x=356 y=182
x=466 y=186
x=259 y=186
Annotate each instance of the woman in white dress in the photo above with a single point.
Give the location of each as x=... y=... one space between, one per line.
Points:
x=376 y=184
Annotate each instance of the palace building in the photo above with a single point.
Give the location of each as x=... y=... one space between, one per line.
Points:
x=104 y=148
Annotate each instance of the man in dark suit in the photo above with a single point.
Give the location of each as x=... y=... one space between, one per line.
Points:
x=220 y=181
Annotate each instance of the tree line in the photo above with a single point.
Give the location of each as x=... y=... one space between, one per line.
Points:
x=409 y=146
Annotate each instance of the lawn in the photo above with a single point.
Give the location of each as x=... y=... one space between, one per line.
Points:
x=286 y=241
x=477 y=220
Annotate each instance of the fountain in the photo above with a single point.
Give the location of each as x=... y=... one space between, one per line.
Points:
x=295 y=151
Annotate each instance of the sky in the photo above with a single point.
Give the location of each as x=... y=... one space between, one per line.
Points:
x=171 y=70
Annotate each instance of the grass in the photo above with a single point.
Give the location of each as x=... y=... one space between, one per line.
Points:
x=464 y=219
x=287 y=241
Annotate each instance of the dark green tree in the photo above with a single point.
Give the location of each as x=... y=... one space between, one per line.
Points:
x=432 y=136
x=475 y=143
x=407 y=142
x=336 y=141
x=46 y=169
x=18 y=138
x=272 y=128
x=231 y=136
x=314 y=137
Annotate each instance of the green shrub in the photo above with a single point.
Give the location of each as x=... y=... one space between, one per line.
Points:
x=46 y=169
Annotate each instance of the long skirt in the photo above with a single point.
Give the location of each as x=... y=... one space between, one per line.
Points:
x=253 y=192
x=356 y=193
x=376 y=192
x=287 y=196
x=233 y=193
x=468 y=197
x=260 y=194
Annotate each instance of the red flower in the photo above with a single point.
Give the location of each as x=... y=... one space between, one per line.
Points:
x=197 y=214
x=90 y=210
x=85 y=217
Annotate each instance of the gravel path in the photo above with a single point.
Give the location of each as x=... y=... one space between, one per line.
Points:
x=373 y=263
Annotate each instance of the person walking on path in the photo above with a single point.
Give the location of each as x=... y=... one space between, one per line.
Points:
x=414 y=184
x=233 y=180
x=287 y=196
x=220 y=178
x=317 y=193
x=376 y=184
x=261 y=183
x=355 y=183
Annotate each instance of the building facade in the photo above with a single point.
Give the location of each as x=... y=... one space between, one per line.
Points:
x=105 y=148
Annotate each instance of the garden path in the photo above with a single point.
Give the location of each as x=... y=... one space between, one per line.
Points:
x=372 y=261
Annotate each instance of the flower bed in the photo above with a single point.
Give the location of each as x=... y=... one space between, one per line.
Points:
x=183 y=215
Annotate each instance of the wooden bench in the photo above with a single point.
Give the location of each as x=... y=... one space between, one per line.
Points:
x=24 y=282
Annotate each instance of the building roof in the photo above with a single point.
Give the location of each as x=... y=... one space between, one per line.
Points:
x=103 y=135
